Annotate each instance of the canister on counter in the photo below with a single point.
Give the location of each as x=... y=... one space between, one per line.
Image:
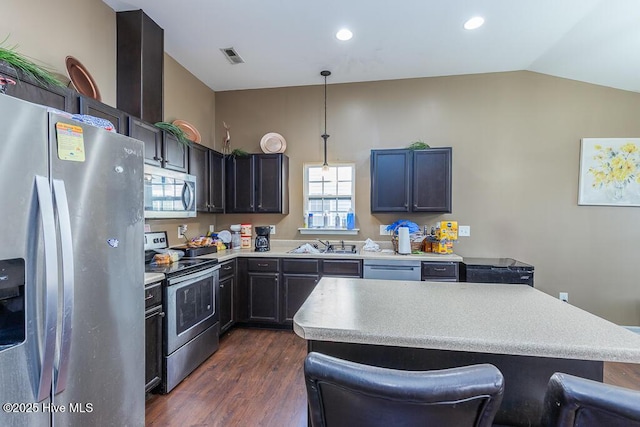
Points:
x=245 y=242
x=245 y=230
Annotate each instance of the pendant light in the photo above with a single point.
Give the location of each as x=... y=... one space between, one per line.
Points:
x=325 y=165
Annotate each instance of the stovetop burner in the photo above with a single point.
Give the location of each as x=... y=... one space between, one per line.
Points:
x=158 y=240
x=189 y=264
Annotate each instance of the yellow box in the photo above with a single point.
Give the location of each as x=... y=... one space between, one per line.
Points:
x=448 y=230
x=443 y=246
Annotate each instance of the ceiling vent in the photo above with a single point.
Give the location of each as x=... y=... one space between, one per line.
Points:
x=232 y=55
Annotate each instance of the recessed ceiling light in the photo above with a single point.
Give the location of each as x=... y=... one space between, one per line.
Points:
x=473 y=23
x=344 y=34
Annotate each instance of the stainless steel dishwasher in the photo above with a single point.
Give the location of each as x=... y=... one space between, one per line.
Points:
x=392 y=269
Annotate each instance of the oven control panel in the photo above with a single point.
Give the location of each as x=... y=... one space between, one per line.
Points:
x=155 y=240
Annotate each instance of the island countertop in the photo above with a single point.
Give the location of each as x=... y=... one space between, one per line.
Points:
x=471 y=317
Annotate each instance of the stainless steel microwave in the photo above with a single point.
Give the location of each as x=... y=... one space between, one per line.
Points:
x=168 y=194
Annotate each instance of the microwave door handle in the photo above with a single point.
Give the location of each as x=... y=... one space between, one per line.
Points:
x=45 y=206
x=66 y=245
x=187 y=197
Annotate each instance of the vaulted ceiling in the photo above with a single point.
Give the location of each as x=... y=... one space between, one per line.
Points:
x=288 y=42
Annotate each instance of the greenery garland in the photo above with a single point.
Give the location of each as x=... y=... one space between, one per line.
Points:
x=21 y=63
x=175 y=131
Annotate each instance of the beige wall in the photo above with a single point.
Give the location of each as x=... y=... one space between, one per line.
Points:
x=85 y=29
x=516 y=144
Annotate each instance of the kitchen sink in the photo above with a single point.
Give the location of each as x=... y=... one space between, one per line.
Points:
x=341 y=249
x=337 y=248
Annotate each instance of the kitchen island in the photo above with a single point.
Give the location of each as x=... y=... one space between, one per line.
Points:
x=527 y=334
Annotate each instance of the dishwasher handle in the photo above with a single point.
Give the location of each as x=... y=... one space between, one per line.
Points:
x=393 y=267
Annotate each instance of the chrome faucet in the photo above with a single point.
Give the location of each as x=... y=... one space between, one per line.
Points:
x=326 y=244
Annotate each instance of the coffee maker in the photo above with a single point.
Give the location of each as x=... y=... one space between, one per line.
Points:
x=262 y=238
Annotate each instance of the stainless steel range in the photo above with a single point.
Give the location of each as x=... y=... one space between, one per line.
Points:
x=190 y=301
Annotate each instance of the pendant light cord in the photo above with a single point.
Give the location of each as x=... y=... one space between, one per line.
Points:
x=325 y=74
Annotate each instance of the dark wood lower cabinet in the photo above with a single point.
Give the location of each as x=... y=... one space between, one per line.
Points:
x=227 y=295
x=153 y=320
x=264 y=297
x=271 y=290
x=226 y=303
x=296 y=289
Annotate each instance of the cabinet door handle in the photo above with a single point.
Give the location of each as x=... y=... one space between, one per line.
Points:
x=162 y=314
x=439 y=269
x=227 y=268
x=148 y=297
x=222 y=286
x=263 y=265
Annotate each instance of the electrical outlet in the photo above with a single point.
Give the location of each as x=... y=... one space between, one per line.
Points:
x=564 y=296
x=273 y=229
x=383 y=230
x=464 y=230
x=182 y=230
x=212 y=228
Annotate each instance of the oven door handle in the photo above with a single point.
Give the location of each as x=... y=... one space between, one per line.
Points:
x=191 y=277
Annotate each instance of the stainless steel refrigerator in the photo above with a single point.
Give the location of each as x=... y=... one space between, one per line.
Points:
x=71 y=272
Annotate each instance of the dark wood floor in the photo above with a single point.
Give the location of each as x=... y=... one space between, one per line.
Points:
x=256 y=379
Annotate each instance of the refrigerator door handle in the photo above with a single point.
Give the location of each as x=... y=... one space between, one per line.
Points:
x=45 y=205
x=66 y=246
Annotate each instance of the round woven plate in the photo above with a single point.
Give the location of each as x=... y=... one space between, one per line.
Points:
x=273 y=143
x=81 y=79
x=189 y=130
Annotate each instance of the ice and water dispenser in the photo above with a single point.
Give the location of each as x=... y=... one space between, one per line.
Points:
x=12 y=302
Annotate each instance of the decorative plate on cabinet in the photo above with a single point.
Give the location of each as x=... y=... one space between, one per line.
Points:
x=81 y=79
x=189 y=130
x=273 y=143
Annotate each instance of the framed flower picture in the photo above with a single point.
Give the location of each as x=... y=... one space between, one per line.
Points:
x=609 y=172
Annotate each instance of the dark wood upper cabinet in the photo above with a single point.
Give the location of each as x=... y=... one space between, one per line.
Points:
x=140 y=65
x=411 y=181
x=257 y=183
x=390 y=174
x=174 y=153
x=272 y=183
x=199 y=167
x=432 y=180
x=95 y=108
x=208 y=167
x=152 y=138
x=28 y=89
x=216 y=182
x=240 y=188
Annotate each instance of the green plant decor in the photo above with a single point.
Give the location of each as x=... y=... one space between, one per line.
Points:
x=21 y=63
x=238 y=152
x=418 y=145
x=175 y=131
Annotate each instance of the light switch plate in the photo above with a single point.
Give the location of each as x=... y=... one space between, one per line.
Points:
x=464 y=230
x=383 y=230
x=273 y=229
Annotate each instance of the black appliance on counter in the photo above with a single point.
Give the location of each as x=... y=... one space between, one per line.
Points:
x=190 y=301
x=262 y=238
x=496 y=270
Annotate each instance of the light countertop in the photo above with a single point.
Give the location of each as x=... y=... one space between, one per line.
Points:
x=488 y=318
x=150 y=278
x=281 y=248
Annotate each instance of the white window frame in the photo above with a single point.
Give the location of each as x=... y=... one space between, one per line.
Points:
x=305 y=192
